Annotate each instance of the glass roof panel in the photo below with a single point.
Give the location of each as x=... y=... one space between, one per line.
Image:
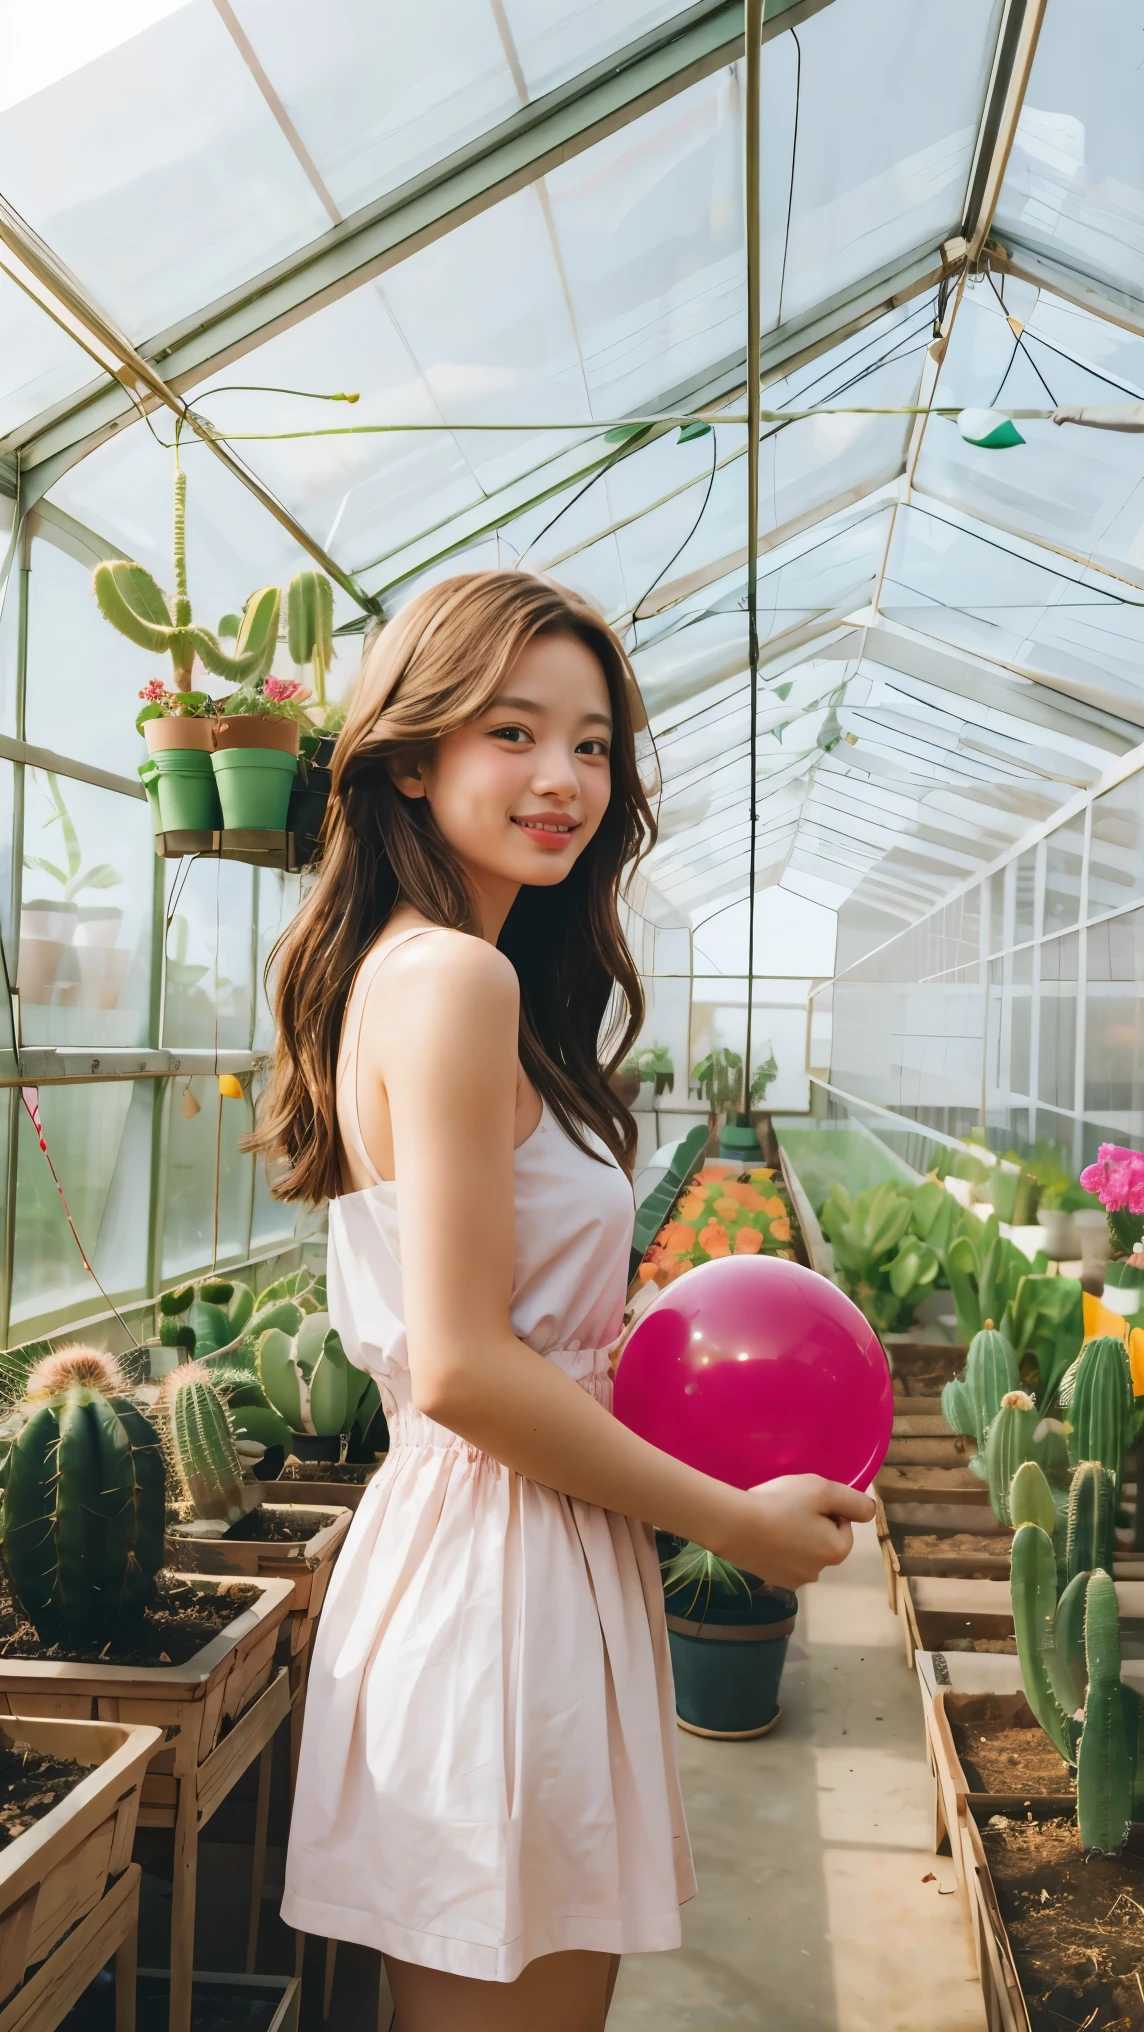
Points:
x=888 y=107
x=1075 y=182
x=967 y=587
x=556 y=39
x=1066 y=485
x=39 y=362
x=168 y=133
x=379 y=93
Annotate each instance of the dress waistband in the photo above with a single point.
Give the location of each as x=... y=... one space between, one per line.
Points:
x=589 y=1368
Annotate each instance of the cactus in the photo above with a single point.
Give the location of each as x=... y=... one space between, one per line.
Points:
x=202 y=1444
x=1107 y=1765
x=1009 y=1442
x=175 y=1329
x=310 y=625
x=308 y=1380
x=1099 y=1404
x=129 y=598
x=1031 y=1500
x=971 y=1401
x=253 y=1418
x=1033 y=1590
x=1091 y=1540
x=83 y=1504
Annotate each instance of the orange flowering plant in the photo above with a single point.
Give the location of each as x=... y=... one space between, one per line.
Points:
x=721 y=1212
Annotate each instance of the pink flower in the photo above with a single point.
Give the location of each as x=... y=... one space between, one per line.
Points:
x=284 y=691
x=1117 y=1179
x=153 y=690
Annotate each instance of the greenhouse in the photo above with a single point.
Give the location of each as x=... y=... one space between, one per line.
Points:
x=774 y=369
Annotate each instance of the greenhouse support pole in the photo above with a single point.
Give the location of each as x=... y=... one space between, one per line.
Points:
x=754 y=55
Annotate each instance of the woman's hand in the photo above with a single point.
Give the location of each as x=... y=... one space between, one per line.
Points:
x=789 y=1529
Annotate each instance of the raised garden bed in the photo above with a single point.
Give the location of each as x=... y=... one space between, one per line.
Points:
x=933 y=1486
x=922 y=1368
x=327 y=1484
x=1059 y=1935
x=217 y=1705
x=69 y=1894
x=989 y=1753
x=294 y=1542
x=977 y=1615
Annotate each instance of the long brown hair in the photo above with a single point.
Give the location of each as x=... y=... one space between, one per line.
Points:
x=435 y=669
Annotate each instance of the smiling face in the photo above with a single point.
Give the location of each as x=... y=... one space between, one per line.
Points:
x=520 y=792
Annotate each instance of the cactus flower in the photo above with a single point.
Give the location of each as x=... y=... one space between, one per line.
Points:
x=1117 y=1179
x=153 y=690
x=748 y=1242
x=284 y=691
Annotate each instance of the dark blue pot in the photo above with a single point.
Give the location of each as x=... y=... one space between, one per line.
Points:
x=727 y=1674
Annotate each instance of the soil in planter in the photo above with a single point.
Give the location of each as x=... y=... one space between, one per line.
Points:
x=354 y=1473
x=1000 y=1647
x=999 y=1754
x=961 y=1544
x=275 y=1528
x=31 y=1784
x=1075 y=1924
x=183 y=1620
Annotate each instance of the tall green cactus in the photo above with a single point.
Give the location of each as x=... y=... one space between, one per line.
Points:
x=129 y=598
x=310 y=625
x=1091 y=1539
x=202 y=1444
x=83 y=1504
x=970 y=1402
x=1108 y=1770
x=1033 y=1590
x=1097 y=1395
x=309 y=1380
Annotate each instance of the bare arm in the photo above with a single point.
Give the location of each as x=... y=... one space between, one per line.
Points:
x=452 y=1112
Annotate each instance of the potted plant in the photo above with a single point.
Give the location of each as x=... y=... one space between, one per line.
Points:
x=728 y=1633
x=50 y=925
x=651 y=1066
x=179 y=720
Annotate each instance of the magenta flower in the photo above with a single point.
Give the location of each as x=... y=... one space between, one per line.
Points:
x=153 y=690
x=284 y=691
x=1117 y=1179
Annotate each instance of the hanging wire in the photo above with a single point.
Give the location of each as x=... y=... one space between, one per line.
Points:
x=687 y=539
x=793 y=160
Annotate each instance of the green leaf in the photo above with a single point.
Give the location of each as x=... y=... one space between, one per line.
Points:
x=691 y=431
x=626 y=433
x=229 y=625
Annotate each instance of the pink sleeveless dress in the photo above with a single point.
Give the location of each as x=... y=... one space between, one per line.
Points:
x=488 y=1767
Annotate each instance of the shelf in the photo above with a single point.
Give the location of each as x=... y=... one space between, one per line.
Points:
x=257 y=847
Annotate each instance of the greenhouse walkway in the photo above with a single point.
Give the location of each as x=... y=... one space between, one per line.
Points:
x=812 y=1848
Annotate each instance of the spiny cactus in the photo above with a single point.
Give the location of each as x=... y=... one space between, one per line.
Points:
x=129 y=598
x=1108 y=1767
x=1041 y=1648
x=202 y=1444
x=970 y=1402
x=309 y=1380
x=253 y=1418
x=310 y=625
x=1097 y=1396
x=1091 y=1539
x=83 y=1504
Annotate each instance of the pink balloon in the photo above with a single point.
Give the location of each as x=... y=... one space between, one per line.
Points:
x=750 y=1367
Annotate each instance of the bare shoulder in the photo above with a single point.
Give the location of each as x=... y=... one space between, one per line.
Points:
x=450 y=974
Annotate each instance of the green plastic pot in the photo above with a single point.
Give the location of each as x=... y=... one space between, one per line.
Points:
x=254 y=786
x=727 y=1674
x=180 y=787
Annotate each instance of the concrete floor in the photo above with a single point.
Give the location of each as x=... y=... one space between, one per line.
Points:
x=812 y=1849
x=821 y=1907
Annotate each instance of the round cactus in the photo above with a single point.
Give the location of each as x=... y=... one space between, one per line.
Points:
x=83 y=1504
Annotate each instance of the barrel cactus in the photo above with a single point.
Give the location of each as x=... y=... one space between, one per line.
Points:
x=202 y=1444
x=83 y=1503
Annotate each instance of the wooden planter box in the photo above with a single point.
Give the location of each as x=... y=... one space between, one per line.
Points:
x=71 y=1875
x=195 y=1766
x=937 y=1613
x=306 y=1563
x=933 y=1488
x=922 y=1368
x=955 y=1799
x=319 y=1495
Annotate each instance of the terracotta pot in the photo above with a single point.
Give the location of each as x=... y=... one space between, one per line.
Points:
x=258 y=730
x=178 y=732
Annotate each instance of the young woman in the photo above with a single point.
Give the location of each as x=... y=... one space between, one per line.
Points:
x=488 y=1788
